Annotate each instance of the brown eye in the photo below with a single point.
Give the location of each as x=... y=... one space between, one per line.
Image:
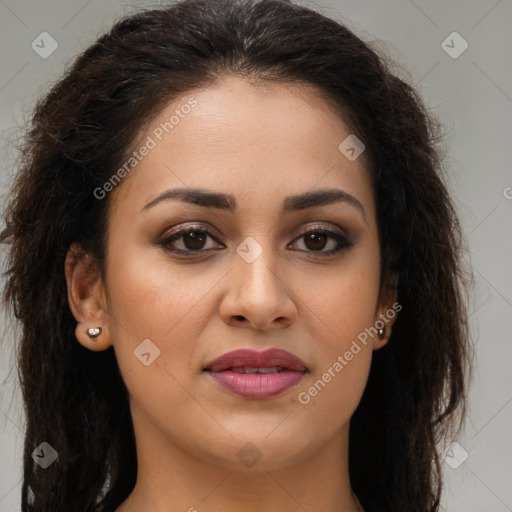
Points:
x=189 y=239
x=194 y=240
x=316 y=240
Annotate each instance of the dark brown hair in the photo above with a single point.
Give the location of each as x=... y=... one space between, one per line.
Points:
x=80 y=134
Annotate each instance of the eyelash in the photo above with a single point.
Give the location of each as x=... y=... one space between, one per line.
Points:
x=343 y=242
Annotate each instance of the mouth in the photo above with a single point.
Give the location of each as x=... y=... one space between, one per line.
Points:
x=257 y=375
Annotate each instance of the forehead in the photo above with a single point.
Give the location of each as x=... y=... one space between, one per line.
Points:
x=245 y=139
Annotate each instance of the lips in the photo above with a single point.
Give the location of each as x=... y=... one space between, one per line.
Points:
x=257 y=375
x=250 y=358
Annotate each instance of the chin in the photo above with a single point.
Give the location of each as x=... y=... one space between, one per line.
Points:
x=260 y=449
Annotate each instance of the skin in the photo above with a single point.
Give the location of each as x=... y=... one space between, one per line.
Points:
x=259 y=144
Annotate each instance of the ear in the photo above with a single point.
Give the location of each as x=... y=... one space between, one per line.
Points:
x=86 y=298
x=387 y=310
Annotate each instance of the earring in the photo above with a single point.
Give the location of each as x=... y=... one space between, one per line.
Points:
x=93 y=332
x=381 y=332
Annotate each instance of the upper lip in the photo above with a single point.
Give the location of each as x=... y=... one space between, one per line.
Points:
x=251 y=358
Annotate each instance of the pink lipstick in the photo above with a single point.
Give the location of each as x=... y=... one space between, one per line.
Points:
x=257 y=375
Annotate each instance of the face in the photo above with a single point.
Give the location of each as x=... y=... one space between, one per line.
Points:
x=275 y=264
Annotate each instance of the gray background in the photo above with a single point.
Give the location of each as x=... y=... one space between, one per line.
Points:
x=471 y=94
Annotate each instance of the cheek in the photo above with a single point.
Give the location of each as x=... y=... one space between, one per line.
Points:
x=149 y=302
x=342 y=357
x=346 y=298
x=344 y=307
x=152 y=313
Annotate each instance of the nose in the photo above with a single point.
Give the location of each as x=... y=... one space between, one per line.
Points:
x=258 y=296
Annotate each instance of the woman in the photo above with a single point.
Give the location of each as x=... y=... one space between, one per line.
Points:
x=238 y=273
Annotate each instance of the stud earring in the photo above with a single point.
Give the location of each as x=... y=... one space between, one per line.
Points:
x=381 y=332
x=93 y=332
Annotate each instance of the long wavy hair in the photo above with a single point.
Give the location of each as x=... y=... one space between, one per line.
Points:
x=80 y=134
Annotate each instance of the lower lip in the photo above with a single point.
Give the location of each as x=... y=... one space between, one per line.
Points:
x=257 y=385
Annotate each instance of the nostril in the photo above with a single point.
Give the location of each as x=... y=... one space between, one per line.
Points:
x=240 y=317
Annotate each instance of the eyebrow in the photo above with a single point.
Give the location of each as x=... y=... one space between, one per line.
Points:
x=211 y=199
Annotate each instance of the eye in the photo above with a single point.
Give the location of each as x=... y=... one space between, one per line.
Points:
x=190 y=239
x=317 y=239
